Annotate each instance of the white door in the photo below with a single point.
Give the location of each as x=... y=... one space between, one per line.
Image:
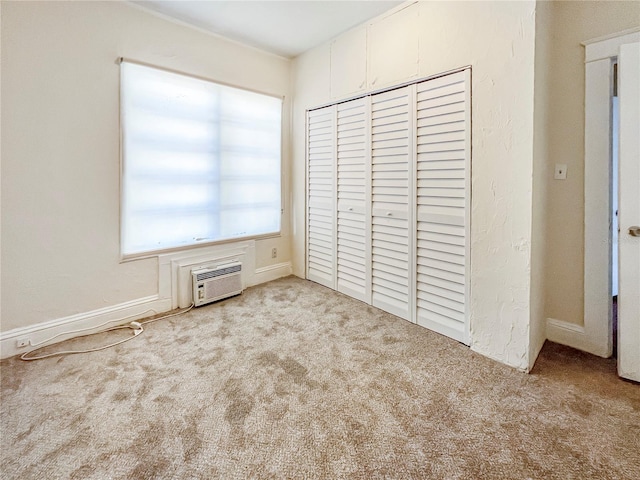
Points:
x=629 y=216
x=353 y=227
x=321 y=196
x=443 y=204
x=391 y=242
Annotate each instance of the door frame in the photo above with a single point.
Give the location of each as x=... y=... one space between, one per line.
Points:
x=600 y=53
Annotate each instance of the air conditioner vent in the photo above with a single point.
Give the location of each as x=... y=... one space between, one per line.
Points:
x=210 y=285
x=218 y=272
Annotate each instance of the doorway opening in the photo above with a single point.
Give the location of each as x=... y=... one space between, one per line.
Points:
x=597 y=335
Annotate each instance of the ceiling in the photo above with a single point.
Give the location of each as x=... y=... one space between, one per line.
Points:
x=286 y=28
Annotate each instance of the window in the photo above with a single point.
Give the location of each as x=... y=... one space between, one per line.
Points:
x=201 y=161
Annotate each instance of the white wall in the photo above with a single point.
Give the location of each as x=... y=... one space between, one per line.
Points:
x=542 y=177
x=60 y=150
x=497 y=40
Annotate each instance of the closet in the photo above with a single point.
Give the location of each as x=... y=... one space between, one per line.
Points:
x=388 y=201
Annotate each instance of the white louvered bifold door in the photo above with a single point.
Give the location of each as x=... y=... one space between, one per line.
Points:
x=443 y=204
x=353 y=227
x=321 y=198
x=391 y=150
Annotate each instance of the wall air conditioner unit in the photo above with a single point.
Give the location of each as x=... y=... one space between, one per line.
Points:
x=211 y=284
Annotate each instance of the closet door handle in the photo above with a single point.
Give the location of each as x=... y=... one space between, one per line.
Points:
x=389 y=214
x=634 y=231
x=350 y=209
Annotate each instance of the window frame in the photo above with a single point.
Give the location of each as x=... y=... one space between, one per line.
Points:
x=155 y=253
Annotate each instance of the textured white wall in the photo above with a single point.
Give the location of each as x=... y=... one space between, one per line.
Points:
x=497 y=40
x=60 y=148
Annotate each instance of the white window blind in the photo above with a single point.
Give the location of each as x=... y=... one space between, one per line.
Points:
x=201 y=161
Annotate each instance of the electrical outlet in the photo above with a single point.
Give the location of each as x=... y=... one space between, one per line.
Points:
x=274 y=252
x=22 y=342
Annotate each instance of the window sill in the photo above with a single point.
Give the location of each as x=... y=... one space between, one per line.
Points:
x=184 y=248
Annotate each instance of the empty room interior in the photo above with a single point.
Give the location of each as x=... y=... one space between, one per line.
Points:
x=320 y=239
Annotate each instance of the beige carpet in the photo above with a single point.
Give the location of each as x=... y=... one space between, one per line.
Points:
x=292 y=380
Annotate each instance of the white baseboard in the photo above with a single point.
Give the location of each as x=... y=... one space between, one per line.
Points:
x=572 y=335
x=93 y=321
x=272 y=272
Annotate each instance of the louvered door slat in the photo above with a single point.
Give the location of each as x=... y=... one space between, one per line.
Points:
x=451 y=299
x=442 y=247
x=427 y=112
x=352 y=226
x=390 y=265
x=353 y=164
x=442 y=201
x=391 y=285
x=435 y=272
x=321 y=266
x=440 y=90
x=350 y=239
x=457 y=183
x=454 y=286
x=350 y=129
x=426 y=136
x=357 y=268
x=457 y=146
x=438 y=120
x=350 y=177
x=441 y=100
x=321 y=145
x=355 y=254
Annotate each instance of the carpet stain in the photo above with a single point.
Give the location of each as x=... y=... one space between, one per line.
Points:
x=144 y=390
x=150 y=468
x=389 y=340
x=208 y=360
x=239 y=407
x=113 y=362
x=278 y=297
x=581 y=407
x=68 y=373
x=294 y=370
x=356 y=431
x=21 y=436
x=121 y=396
x=63 y=447
x=10 y=381
x=151 y=462
x=191 y=441
x=222 y=332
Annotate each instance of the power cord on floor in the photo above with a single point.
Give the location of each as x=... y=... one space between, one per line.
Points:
x=117 y=320
x=137 y=328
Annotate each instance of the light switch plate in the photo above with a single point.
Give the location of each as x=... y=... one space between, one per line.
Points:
x=561 y=171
